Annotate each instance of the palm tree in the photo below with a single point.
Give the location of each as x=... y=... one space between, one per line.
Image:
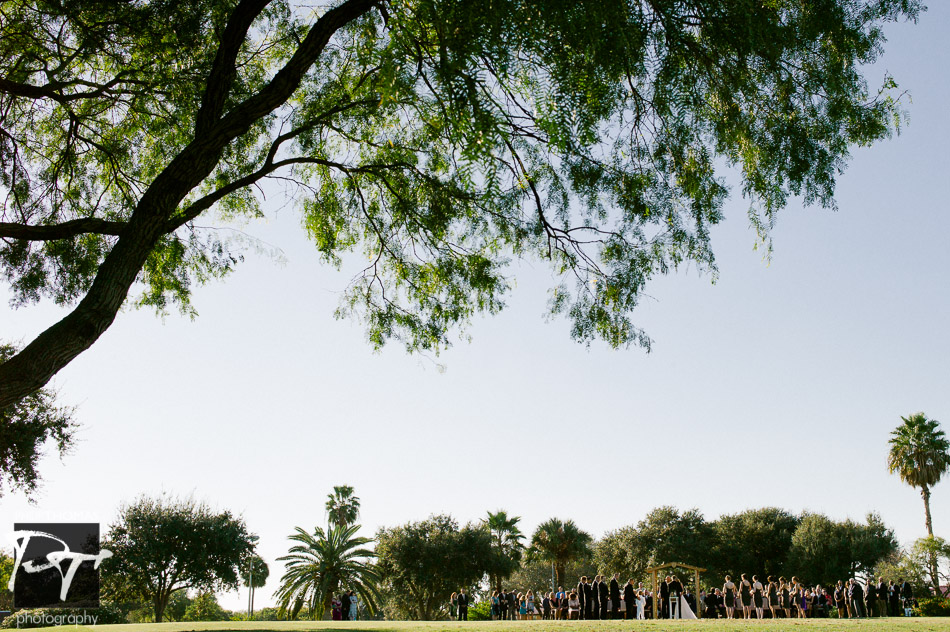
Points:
x=559 y=543
x=322 y=564
x=507 y=542
x=343 y=508
x=920 y=455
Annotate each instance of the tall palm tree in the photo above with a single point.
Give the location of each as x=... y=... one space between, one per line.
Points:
x=507 y=542
x=343 y=508
x=559 y=543
x=322 y=564
x=920 y=455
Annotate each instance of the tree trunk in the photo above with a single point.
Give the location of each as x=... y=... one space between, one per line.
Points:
x=160 y=602
x=559 y=572
x=932 y=561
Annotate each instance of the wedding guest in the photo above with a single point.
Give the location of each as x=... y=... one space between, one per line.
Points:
x=529 y=599
x=345 y=605
x=495 y=606
x=857 y=598
x=893 y=599
x=573 y=606
x=870 y=600
x=641 y=604
x=512 y=604
x=604 y=596
x=454 y=606
x=463 y=605
x=562 y=604
x=840 y=597
x=882 y=596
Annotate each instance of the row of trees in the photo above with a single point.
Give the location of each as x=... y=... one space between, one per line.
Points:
x=165 y=549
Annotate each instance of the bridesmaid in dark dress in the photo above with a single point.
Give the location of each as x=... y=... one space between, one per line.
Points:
x=729 y=590
x=772 y=592
x=745 y=596
x=786 y=599
x=757 y=596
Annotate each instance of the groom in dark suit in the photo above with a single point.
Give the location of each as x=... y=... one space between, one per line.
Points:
x=615 y=597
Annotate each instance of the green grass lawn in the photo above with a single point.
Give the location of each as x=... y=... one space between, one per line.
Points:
x=864 y=625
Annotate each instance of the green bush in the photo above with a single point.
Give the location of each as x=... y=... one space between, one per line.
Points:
x=480 y=611
x=933 y=607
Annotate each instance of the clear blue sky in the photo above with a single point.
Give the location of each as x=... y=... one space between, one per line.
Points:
x=778 y=385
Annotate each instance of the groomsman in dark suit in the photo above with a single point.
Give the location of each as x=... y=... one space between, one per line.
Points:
x=604 y=596
x=595 y=598
x=664 y=604
x=582 y=597
x=615 y=597
x=588 y=600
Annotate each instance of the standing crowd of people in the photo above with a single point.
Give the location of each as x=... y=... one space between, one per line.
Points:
x=747 y=599
x=781 y=598
x=344 y=607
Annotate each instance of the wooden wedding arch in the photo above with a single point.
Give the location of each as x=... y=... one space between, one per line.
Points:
x=654 y=571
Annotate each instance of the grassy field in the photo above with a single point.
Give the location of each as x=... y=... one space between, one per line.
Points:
x=863 y=625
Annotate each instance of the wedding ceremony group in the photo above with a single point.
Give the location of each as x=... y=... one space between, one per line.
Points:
x=777 y=598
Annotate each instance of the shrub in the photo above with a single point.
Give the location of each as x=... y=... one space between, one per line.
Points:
x=933 y=607
x=480 y=611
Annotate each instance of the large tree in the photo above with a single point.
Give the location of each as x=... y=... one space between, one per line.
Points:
x=162 y=545
x=559 y=543
x=423 y=563
x=664 y=535
x=920 y=455
x=439 y=137
x=824 y=551
x=323 y=563
x=755 y=541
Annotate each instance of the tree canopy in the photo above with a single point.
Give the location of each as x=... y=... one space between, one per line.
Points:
x=422 y=563
x=162 y=545
x=438 y=138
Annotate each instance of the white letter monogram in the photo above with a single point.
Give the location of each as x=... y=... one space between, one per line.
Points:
x=21 y=540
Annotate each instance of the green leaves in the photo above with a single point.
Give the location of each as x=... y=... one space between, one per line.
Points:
x=437 y=137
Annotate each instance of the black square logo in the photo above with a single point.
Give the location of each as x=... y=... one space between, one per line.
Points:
x=56 y=565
